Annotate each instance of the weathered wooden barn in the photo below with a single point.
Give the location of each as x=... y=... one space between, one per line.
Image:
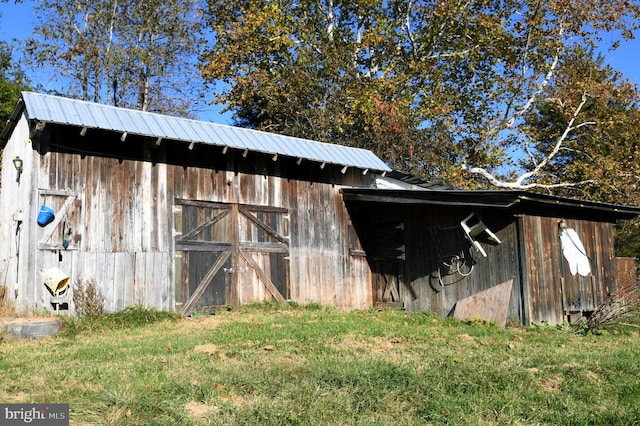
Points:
x=183 y=215
x=174 y=213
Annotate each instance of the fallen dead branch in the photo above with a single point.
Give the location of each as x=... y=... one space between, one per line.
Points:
x=622 y=305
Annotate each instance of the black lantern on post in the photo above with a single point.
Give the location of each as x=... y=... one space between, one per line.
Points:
x=17 y=163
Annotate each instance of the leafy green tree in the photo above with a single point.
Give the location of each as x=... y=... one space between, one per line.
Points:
x=133 y=54
x=602 y=153
x=437 y=88
x=12 y=81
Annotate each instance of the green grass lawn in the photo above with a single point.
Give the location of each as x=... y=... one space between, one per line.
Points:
x=311 y=365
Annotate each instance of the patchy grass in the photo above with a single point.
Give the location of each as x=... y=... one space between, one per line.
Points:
x=6 y=305
x=272 y=364
x=131 y=317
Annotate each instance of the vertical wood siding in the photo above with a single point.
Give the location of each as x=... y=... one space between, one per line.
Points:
x=529 y=253
x=442 y=237
x=552 y=291
x=433 y=237
x=15 y=246
x=543 y=262
x=122 y=229
x=321 y=269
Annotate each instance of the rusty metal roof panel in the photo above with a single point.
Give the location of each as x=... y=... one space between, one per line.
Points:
x=60 y=110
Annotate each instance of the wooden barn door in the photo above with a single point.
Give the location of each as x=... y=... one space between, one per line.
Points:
x=388 y=263
x=204 y=246
x=58 y=240
x=63 y=232
x=221 y=249
x=263 y=248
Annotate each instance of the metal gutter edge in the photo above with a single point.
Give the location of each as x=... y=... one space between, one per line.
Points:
x=624 y=210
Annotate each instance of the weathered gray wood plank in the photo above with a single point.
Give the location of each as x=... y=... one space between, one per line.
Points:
x=491 y=304
x=191 y=303
x=266 y=281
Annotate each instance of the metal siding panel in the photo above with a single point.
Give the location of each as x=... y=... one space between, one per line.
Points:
x=191 y=130
x=257 y=143
x=140 y=122
x=214 y=136
x=162 y=127
x=278 y=147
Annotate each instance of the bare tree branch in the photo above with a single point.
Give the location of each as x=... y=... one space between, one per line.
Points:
x=508 y=122
x=542 y=164
x=451 y=54
x=407 y=26
x=330 y=17
x=519 y=183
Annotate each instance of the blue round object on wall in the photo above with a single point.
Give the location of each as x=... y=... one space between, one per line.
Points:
x=46 y=216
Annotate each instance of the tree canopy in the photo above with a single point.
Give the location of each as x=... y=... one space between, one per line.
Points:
x=443 y=89
x=504 y=93
x=132 y=54
x=601 y=151
x=472 y=92
x=12 y=81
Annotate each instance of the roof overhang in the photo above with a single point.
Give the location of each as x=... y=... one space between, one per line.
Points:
x=483 y=198
x=43 y=109
x=8 y=127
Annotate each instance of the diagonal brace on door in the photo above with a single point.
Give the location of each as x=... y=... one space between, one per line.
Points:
x=268 y=229
x=191 y=303
x=205 y=225
x=391 y=290
x=59 y=216
x=263 y=277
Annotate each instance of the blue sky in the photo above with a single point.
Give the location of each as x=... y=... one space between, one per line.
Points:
x=17 y=21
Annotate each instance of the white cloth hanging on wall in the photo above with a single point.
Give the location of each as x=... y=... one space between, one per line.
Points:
x=574 y=252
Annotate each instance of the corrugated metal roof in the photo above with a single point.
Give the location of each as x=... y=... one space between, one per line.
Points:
x=60 y=110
